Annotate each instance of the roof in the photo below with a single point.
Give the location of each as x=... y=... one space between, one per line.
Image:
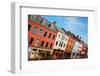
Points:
x=48 y=24
x=54 y=27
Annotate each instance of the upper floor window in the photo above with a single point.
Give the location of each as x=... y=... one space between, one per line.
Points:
x=37 y=42
x=47 y=44
x=38 y=19
x=49 y=35
x=33 y=17
x=42 y=43
x=34 y=30
x=61 y=44
x=63 y=37
x=40 y=32
x=56 y=43
x=51 y=46
x=66 y=39
x=29 y=27
x=64 y=45
x=59 y=36
x=44 y=22
x=53 y=36
x=31 y=40
x=45 y=34
x=49 y=25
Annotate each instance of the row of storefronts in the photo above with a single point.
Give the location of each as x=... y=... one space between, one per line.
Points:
x=47 y=41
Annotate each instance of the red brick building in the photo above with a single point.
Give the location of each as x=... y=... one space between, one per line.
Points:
x=41 y=34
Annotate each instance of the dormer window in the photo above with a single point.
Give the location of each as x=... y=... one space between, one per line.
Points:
x=49 y=25
x=44 y=22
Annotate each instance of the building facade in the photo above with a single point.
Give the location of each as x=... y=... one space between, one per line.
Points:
x=70 y=44
x=74 y=53
x=48 y=41
x=41 y=35
x=60 y=43
x=83 y=50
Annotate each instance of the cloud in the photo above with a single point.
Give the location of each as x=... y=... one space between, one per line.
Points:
x=76 y=26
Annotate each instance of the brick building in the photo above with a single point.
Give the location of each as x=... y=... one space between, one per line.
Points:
x=41 y=35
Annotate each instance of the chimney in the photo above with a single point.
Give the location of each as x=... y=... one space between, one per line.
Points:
x=54 y=22
x=78 y=36
x=51 y=26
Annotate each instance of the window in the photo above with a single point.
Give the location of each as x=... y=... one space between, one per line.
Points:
x=29 y=27
x=56 y=43
x=49 y=25
x=44 y=22
x=31 y=40
x=36 y=43
x=61 y=44
x=45 y=34
x=49 y=35
x=53 y=36
x=51 y=46
x=63 y=37
x=66 y=39
x=64 y=45
x=59 y=36
x=35 y=29
x=42 y=43
x=38 y=19
x=40 y=32
x=41 y=21
x=33 y=17
x=47 y=44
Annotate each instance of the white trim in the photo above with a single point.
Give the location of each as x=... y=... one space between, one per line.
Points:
x=41 y=49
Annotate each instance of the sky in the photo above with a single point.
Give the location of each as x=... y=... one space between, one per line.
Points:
x=75 y=24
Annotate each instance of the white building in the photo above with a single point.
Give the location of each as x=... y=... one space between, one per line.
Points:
x=61 y=40
x=74 y=53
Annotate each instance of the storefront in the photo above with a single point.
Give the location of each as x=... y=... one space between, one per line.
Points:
x=39 y=54
x=57 y=54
